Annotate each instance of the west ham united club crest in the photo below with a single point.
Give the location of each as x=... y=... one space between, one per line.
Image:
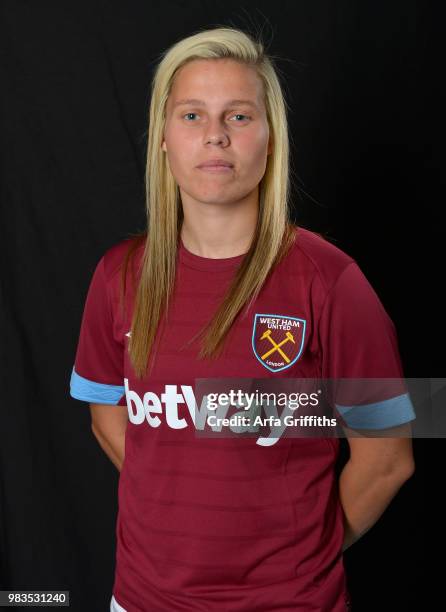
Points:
x=277 y=340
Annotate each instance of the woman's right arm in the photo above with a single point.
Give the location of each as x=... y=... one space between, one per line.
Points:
x=108 y=424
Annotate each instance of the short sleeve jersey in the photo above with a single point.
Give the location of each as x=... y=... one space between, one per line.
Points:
x=235 y=524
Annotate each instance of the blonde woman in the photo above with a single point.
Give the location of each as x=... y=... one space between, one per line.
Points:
x=223 y=285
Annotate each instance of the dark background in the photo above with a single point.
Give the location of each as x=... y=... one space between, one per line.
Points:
x=363 y=81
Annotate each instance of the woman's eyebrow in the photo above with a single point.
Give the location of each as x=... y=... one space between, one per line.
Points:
x=202 y=103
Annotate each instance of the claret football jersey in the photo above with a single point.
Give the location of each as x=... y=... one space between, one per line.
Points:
x=234 y=524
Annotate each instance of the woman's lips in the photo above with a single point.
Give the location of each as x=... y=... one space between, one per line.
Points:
x=216 y=169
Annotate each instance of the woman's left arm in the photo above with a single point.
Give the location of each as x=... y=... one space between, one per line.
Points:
x=374 y=473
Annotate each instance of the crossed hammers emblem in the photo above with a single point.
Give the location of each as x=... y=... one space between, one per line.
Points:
x=276 y=347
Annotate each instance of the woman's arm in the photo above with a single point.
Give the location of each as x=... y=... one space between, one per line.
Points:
x=376 y=470
x=109 y=423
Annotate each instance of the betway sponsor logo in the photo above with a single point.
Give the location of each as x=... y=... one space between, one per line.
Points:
x=147 y=408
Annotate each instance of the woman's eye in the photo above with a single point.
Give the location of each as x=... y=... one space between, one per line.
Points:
x=240 y=115
x=189 y=114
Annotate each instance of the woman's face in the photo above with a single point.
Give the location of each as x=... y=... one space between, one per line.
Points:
x=215 y=110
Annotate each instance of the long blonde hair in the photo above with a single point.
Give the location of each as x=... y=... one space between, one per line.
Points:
x=274 y=233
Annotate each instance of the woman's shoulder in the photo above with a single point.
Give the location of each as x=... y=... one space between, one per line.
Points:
x=122 y=252
x=322 y=257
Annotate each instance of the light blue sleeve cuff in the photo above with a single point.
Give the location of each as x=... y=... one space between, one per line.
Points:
x=379 y=415
x=97 y=393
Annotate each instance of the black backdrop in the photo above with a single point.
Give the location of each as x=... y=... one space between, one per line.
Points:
x=359 y=78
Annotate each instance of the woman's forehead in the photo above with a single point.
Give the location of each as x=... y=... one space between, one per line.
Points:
x=202 y=82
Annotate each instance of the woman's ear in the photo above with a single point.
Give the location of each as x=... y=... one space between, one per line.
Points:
x=163 y=146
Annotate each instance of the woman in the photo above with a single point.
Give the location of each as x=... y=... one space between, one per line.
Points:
x=223 y=285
